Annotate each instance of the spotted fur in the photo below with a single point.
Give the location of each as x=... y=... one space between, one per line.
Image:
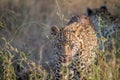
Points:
x=105 y=24
x=74 y=49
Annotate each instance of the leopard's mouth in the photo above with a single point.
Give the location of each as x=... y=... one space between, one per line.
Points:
x=67 y=59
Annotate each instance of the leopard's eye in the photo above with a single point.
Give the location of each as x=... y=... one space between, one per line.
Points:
x=59 y=46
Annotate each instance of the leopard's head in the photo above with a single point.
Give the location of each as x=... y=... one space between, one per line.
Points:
x=104 y=22
x=66 y=40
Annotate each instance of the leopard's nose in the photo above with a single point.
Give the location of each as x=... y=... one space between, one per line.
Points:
x=65 y=60
x=65 y=55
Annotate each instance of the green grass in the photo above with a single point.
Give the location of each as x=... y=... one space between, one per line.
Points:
x=15 y=65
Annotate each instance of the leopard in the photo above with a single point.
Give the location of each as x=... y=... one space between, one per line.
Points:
x=74 y=48
x=105 y=25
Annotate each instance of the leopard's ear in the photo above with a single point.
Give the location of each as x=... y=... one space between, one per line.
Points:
x=54 y=30
x=73 y=19
x=89 y=12
x=103 y=8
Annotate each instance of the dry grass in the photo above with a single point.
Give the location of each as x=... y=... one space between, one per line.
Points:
x=24 y=31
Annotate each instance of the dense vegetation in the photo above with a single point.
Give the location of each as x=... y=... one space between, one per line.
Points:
x=24 y=38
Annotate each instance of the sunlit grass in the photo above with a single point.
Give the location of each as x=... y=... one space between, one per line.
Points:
x=15 y=64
